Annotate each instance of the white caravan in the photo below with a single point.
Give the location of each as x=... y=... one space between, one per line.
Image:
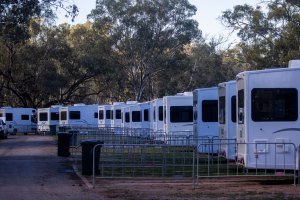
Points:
x=227 y=119
x=145 y=111
x=136 y=116
x=79 y=115
x=105 y=116
x=48 y=119
x=158 y=116
x=126 y=114
x=206 y=126
x=268 y=118
x=19 y=120
x=117 y=114
x=178 y=118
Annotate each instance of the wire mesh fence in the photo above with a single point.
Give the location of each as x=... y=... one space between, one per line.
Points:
x=144 y=153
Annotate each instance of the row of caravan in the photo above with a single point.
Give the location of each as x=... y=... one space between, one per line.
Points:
x=253 y=119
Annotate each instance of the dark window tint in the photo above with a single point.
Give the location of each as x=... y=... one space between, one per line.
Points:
x=274 y=104
x=233 y=109
x=210 y=111
x=101 y=114
x=136 y=116
x=118 y=114
x=107 y=113
x=95 y=115
x=54 y=116
x=222 y=110
x=195 y=114
x=43 y=117
x=181 y=114
x=146 y=115
x=1 y=114
x=74 y=114
x=127 y=117
x=241 y=106
x=154 y=117
x=24 y=117
x=63 y=115
x=9 y=117
x=160 y=113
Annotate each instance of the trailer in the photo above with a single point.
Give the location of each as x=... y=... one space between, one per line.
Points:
x=48 y=119
x=126 y=114
x=117 y=114
x=227 y=119
x=268 y=118
x=79 y=115
x=157 y=117
x=178 y=118
x=145 y=112
x=206 y=126
x=19 y=120
x=105 y=116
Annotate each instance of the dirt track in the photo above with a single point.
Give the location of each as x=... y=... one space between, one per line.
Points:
x=30 y=169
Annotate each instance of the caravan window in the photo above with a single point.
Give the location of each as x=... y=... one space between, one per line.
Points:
x=222 y=110
x=25 y=117
x=74 y=114
x=210 y=111
x=95 y=115
x=146 y=115
x=233 y=109
x=160 y=113
x=43 y=117
x=118 y=114
x=154 y=117
x=9 y=117
x=136 y=116
x=63 y=115
x=54 y=116
x=127 y=117
x=181 y=114
x=107 y=114
x=274 y=104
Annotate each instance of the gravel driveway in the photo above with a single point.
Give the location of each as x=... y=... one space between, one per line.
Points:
x=30 y=169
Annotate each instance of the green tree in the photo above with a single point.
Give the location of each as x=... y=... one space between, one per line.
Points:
x=270 y=32
x=146 y=36
x=17 y=68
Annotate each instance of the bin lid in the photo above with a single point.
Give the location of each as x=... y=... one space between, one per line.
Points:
x=91 y=141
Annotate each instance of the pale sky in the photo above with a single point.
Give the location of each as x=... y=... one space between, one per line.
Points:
x=207 y=13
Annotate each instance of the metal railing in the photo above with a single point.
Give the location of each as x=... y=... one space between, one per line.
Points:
x=138 y=153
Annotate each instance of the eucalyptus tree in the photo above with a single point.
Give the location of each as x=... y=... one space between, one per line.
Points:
x=269 y=32
x=17 y=75
x=146 y=35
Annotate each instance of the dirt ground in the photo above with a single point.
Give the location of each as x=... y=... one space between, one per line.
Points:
x=208 y=188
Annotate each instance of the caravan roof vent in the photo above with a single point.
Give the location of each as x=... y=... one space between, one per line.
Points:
x=118 y=103
x=79 y=104
x=294 y=63
x=131 y=102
